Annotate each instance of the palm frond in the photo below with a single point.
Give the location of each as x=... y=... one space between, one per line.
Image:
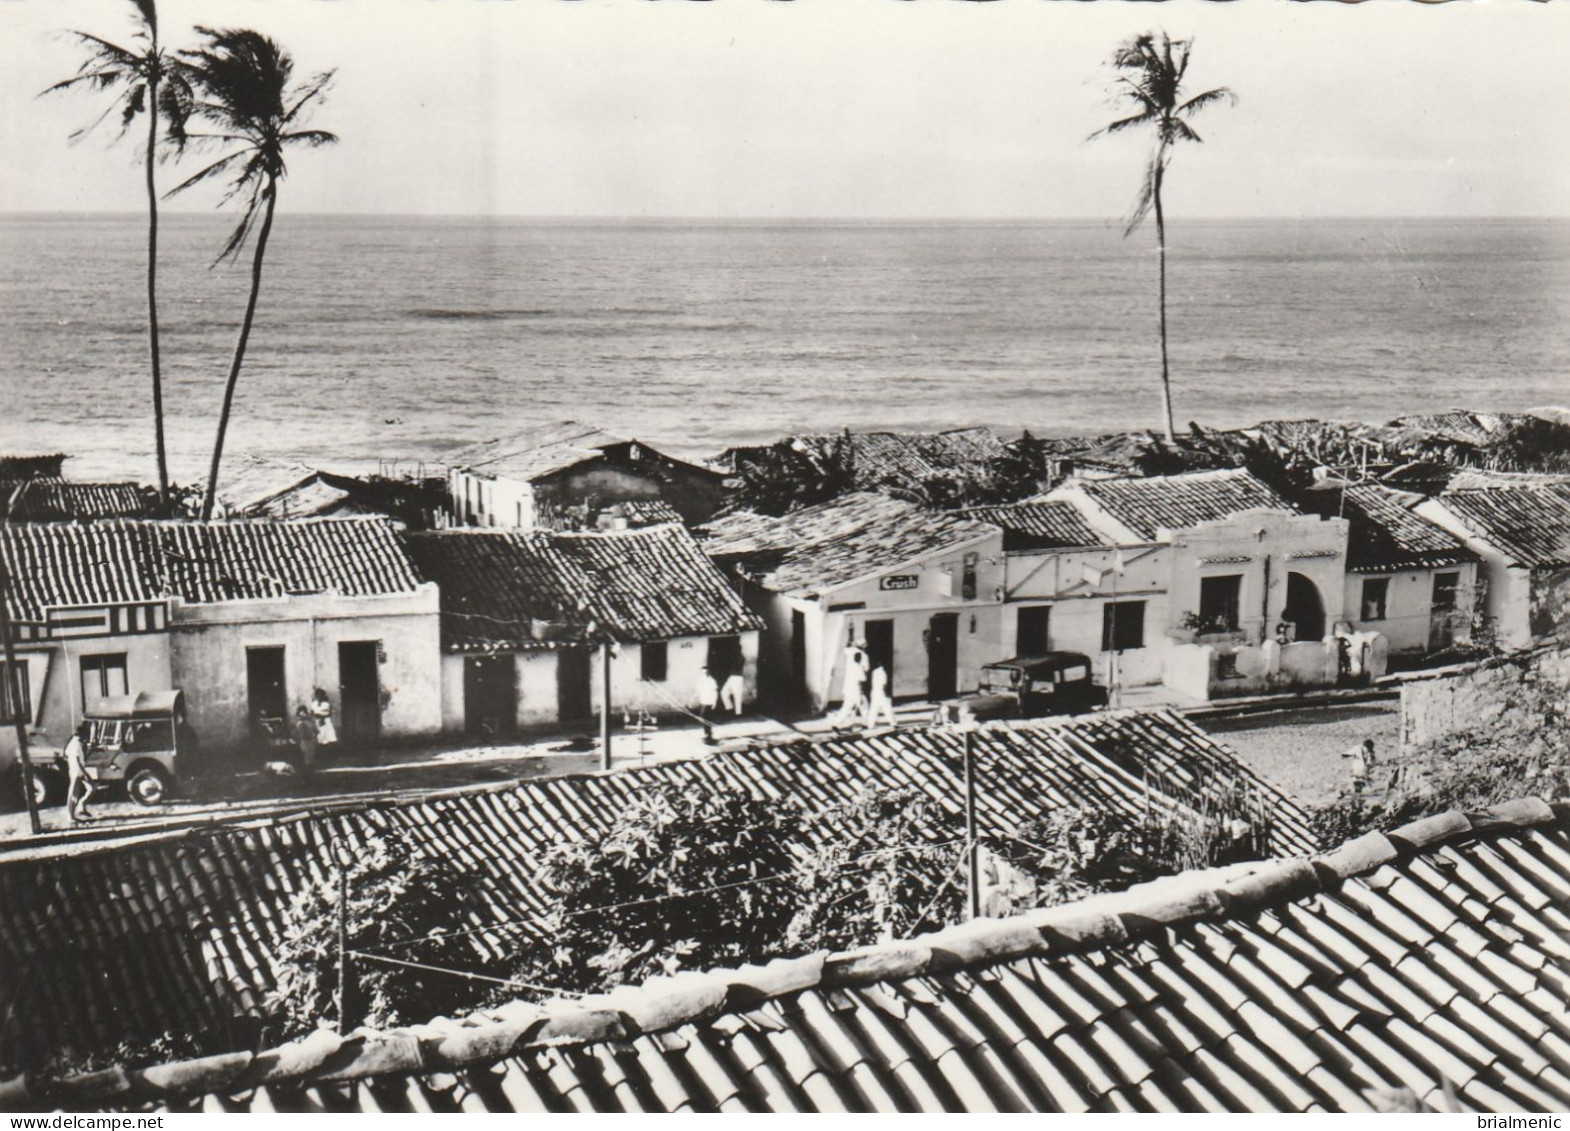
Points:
x=205 y=174
x=149 y=12
x=1120 y=125
x=242 y=230
x=1209 y=98
x=316 y=88
x=311 y=138
x=77 y=135
x=1149 y=185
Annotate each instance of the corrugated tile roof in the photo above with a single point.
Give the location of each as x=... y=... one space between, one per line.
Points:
x=175 y=932
x=532 y=453
x=845 y=539
x=1039 y=524
x=60 y=500
x=60 y=564
x=515 y=588
x=1529 y=524
x=1423 y=967
x=1386 y=534
x=1178 y=502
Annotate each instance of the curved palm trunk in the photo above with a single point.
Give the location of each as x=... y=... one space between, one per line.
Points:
x=152 y=290
x=1161 y=259
x=239 y=350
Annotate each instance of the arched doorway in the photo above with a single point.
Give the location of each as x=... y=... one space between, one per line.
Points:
x=1304 y=607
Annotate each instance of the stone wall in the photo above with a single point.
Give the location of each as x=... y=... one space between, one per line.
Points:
x=1472 y=699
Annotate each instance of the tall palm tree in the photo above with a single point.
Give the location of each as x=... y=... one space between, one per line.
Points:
x=146 y=81
x=1150 y=70
x=241 y=83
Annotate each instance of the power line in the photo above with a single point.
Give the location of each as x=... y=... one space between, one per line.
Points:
x=456 y=973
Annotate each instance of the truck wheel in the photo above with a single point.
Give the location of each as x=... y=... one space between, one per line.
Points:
x=148 y=785
x=47 y=789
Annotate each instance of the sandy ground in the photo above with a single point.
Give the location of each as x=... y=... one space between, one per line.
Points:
x=1300 y=750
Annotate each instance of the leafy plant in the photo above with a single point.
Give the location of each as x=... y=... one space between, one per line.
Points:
x=640 y=898
x=885 y=865
x=395 y=894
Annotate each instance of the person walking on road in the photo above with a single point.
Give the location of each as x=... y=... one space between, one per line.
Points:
x=879 y=704
x=80 y=790
x=1362 y=763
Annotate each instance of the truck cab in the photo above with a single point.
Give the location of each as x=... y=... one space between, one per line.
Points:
x=1053 y=683
x=137 y=740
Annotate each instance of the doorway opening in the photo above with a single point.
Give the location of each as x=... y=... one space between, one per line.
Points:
x=1304 y=608
x=266 y=694
x=942 y=655
x=490 y=696
x=360 y=690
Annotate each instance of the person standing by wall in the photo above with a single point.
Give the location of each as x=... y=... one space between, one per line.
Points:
x=305 y=734
x=322 y=712
x=80 y=790
x=732 y=692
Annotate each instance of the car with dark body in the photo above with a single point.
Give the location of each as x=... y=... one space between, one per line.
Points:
x=1052 y=683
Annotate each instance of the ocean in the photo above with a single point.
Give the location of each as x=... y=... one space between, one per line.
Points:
x=396 y=338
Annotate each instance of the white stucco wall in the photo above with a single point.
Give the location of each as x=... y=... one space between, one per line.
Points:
x=54 y=671
x=1078 y=585
x=1409 y=604
x=1507 y=600
x=833 y=617
x=1271 y=544
x=209 y=643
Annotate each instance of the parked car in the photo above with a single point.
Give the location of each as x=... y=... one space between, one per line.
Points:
x=137 y=740
x=1055 y=683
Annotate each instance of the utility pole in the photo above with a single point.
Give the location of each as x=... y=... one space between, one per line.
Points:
x=13 y=694
x=343 y=1002
x=605 y=706
x=971 y=848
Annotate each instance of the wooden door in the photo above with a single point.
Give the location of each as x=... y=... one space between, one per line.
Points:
x=942 y=655
x=360 y=690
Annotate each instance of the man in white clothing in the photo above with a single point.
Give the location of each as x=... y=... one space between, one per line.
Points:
x=80 y=790
x=880 y=705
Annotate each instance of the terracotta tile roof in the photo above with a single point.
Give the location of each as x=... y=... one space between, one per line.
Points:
x=249 y=480
x=60 y=500
x=892 y=458
x=1531 y=525
x=1177 y=502
x=54 y=564
x=513 y=589
x=533 y=453
x=1457 y=425
x=645 y=512
x=1038 y=524
x=1386 y=534
x=1473 y=478
x=175 y=931
x=1428 y=964
x=845 y=539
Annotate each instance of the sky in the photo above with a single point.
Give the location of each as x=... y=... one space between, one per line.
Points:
x=846 y=108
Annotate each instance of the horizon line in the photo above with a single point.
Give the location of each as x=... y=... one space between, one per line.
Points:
x=623 y=218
